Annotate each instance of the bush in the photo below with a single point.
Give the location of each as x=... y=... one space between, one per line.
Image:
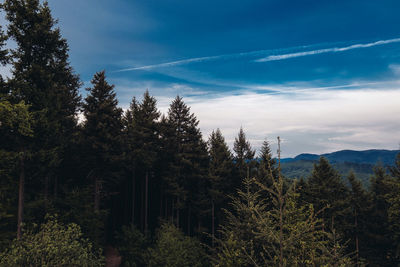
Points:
x=132 y=245
x=173 y=248
x=53 y=244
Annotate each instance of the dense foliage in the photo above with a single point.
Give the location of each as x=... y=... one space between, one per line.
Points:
x=150 y=185
x=54 y=244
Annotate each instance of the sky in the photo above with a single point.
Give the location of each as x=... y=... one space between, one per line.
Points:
x=322 y=75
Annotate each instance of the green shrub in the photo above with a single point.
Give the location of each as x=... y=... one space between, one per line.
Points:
x=132 y=245
x=173 y=248
x=53 y=244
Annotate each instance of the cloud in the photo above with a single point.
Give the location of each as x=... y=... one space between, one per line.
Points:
x=395 y=68
x=212 y=58
x=316 y=122
x=270 y=52
x=326 y=50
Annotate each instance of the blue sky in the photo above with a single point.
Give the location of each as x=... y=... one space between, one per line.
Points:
x=323 y=75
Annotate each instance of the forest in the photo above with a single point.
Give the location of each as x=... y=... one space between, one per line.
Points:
x=80 y=174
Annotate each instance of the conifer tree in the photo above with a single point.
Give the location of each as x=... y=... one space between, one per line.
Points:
x=244 y=156
x=189 y=163
x=220 y=176
x=145 y=134
x=380 y=247
x=266 y=166
x=16 y=133
x=130 y=155
x=326 y=191
x=393 y=198
x=102 y=132
x=3 y=60
x=284 y=234
x=358 y=200
x=43 y=78
x=395 y=170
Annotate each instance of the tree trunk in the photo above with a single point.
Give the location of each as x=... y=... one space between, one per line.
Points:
x=21 y=195
x=161 y=205
x=177 y=212
x=146 y=203
x=213 y=223
x=188 y=228
x=281 y=232
x=55 y=187
x=96 y=194
x=142 y=197
x=166 y=207
x=133 y=196
x=46 y=191
x=356 y=228
x=173 y=211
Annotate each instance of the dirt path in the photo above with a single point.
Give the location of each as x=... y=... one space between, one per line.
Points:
x=113 y=259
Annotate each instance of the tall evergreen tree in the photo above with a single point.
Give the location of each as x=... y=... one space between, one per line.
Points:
x=102 y=132
x=145 y=134
x=16 y=133
x=3 y=60
x=220 y=176
x=327 y=192
x=358 y=200
x=42 y=75
x=43 y=78
x=395 y=170
x=380 y=247
x=244 y=156
x=393 y=198
x=130 y=155
x=266 y=165
x=189 y=164
x=281 y=234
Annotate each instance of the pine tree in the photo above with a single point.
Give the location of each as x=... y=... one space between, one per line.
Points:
x=16 y=133
x=327 y=192
x=284 y=234
x=395 y=170
x=43 y=78
x=188 y=168
x=244 y=156
x=3 y=60
x=145 y=134
x=220 y=176
x=358 y=200
x=380 y=247
x=130 y=155
x=393 y=198
x=102 y=131
x=266 y=165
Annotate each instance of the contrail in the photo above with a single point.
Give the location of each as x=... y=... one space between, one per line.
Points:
x=211 y=58
x=271 y=57
x=326 y=50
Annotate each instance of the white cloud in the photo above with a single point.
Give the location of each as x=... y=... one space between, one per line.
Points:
x=317 y=122
x=326 y=50
x=395 y=68
x=272 y=56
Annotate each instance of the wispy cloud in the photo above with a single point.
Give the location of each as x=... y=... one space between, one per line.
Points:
x=216 y=57
x=326 y=50
x=272 y=56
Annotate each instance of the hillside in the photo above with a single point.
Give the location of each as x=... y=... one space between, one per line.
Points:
x=361 y=162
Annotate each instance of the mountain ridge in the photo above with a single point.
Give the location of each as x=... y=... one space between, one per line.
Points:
x=370 y=156
x=362 y=163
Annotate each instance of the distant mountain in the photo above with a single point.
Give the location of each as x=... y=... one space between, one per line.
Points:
x=372 y=156
x=361 y=162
